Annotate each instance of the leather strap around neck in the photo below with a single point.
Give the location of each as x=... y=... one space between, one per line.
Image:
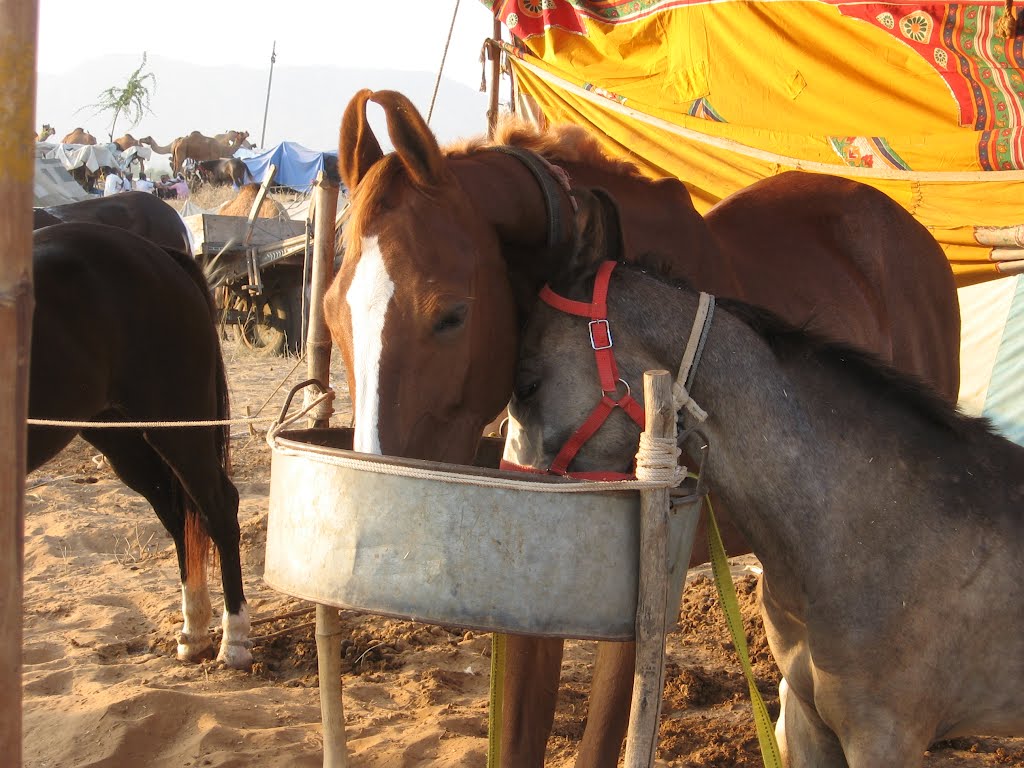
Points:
x=552 y=181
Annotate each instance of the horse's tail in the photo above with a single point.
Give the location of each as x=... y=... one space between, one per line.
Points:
x=197 y=540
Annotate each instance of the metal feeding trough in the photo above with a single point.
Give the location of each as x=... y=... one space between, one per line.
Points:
x=447 y=544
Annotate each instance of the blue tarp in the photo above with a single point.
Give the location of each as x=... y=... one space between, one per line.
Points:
x=297 y=167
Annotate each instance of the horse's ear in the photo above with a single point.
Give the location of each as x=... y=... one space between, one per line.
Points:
x=414 y=142
x=598 y=238
x=598 y=233
x=358 y=148
x=614 y=243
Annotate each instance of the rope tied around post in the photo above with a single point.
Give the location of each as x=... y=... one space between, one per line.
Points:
x=657 y=460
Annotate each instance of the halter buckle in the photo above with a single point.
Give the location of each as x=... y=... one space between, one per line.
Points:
x=606 y=339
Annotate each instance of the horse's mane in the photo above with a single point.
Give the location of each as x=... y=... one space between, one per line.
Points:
x=789 y=342
x=559 y=144
x=563 y=143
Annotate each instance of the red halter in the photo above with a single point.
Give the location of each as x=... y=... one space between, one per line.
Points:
x=601 y=343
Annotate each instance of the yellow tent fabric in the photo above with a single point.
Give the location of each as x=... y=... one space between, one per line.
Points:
x=923 y=101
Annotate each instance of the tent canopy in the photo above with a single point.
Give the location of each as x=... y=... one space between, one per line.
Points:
x=925 y=102
x=297 y=167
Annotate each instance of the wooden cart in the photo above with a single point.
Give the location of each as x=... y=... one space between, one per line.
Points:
x=257 y=269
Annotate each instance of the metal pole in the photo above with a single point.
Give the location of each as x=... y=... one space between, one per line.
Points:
x=273 y=58
x=318 y=366
x=18 y=22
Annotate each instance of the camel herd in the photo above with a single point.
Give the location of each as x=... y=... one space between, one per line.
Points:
x=195 y=145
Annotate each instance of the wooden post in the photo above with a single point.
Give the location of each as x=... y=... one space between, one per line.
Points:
x=495 y=52
x=261 y=195
x=18 y=19
x=649 y=677
x=318 y=366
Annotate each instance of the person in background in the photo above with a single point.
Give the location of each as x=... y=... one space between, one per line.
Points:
x=163 y=188
x=126 y=182
x=180 y=187
x=112 y=184
x=144 y=184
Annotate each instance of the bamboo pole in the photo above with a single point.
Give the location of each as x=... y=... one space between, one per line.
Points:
x=18 y=20
x=649 y=676
x=495 y=53
x=318 y=366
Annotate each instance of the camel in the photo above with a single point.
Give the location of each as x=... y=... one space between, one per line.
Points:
x=127 y=141
x=46 y=133
x=241 y=204
x=199 y=147
x=160 y=149
x=234 y=139
x=79 y=136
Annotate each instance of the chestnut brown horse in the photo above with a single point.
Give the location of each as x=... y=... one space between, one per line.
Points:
x=445 y=254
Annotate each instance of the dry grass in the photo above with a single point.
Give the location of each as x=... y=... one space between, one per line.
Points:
x=210 y=198
x=206 y=197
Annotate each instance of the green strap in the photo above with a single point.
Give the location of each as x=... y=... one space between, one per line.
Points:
x=730 y=607
x=496 y=698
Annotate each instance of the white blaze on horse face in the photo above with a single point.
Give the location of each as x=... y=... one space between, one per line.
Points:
x=517 y=445
x=368 y=298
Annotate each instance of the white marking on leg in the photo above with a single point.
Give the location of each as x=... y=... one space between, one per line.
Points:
x=197 y=611
x=368 y=297
x=234 y=645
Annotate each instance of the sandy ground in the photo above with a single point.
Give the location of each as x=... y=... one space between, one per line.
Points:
x=103 y=688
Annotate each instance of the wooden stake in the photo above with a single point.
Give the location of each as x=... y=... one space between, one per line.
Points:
x=495 y=52
x=652 y=598
x=18 y=19
x=318 y=366
x=261 y=195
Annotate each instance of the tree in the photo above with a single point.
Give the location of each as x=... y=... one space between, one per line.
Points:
x=132 y=100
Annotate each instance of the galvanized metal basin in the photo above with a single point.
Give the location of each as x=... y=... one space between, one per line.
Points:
x=497 y=559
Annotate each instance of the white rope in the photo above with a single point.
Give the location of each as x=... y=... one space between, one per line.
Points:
x=680 y=396
x=657 y=460
x=332 y=457
x=168 y=424
x=138 y=424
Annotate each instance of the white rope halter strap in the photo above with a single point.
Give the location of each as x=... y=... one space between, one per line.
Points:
x=691 y=358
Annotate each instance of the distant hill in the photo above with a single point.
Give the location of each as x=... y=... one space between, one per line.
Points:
x=306 y=103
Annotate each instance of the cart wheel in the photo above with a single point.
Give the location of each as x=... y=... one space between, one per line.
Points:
x=261 y=325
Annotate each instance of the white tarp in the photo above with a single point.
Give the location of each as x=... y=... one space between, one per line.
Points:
x=53 y=185
x=96 y=156
x=992 y=353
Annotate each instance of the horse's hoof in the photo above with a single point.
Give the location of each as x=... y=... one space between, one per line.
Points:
x=235 y=655
x=194 y=648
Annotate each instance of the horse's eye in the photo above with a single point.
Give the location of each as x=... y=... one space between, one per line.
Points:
x=526 y=390
x=452 y=319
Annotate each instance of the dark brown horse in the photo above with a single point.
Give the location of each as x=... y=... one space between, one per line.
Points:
x=138 y=212
x=225 y=171
x=446 y=251
x=125 y=331
x=917 y=551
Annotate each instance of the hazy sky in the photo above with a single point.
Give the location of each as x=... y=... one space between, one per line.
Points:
x=382 y=34
x=226 y=46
